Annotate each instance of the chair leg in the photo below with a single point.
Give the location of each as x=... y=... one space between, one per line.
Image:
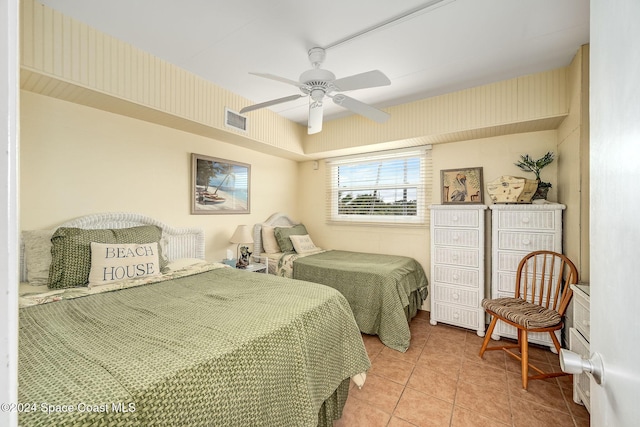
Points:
x=524 y=354
x=487 y=336
x=555 y=341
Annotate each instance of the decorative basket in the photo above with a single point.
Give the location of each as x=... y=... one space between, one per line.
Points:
x=512 y=189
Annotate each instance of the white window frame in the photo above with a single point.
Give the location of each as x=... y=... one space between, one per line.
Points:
x=423 y=153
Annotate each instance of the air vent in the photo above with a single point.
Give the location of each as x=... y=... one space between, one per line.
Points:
x=235 y=120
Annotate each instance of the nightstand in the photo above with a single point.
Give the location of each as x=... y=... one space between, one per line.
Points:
x=256 y=267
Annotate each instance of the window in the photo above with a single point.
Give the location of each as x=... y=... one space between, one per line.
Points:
x=389 y=187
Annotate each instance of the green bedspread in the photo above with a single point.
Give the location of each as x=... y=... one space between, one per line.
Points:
x=221 y=348
x=384 y=291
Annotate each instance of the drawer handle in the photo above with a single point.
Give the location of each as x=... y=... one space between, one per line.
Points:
x=454 y=218
x=456 y=237
x=456 y=315
x=526 y=242
x=456 y=277
x=586 y=323
x=525 y=220
x=587 y=393
x=454 y=257
x=455 y=296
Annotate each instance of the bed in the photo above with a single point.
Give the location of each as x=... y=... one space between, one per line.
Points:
x=384 y=291
x=200 y=344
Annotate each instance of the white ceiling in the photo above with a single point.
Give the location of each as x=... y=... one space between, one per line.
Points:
x=455 y=44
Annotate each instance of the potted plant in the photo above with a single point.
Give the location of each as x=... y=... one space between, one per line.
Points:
x=528 y=164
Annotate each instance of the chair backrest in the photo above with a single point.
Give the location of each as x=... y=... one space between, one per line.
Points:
x=544 y=278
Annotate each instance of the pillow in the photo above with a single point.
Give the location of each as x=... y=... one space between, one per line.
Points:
x=303 y=244
x=269 y=242
x=71 y=251
x=111 y=262
x=37 y=255
x=283 y=233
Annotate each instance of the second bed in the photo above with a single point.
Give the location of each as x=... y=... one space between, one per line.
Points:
x=384 y=291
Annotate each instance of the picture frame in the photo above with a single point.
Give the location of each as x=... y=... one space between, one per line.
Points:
x=462 y=186
x=219 y=186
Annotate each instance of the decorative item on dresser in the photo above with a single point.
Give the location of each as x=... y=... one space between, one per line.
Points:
x=579 y=337
x=457 y=265
x=527 y=164
x=461 y=186
x=516 y=231
x=511 y=189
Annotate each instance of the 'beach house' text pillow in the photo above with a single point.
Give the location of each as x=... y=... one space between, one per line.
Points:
x=111 y=262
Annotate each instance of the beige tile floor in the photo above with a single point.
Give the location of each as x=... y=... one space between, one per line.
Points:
x=441 y=381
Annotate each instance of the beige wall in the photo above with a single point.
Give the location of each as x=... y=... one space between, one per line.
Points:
x=573 y=149
x=65 y=58
x=77 y=160
x=495 y=155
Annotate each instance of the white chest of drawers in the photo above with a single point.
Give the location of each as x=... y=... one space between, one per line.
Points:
x=517 y=230
x=457 y=265
x=579 y=337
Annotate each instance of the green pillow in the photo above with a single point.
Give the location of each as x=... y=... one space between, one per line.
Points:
x=71 y=250
x=282 y=236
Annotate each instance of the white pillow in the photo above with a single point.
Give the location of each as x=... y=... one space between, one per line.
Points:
x=303 y=244
x=269 y=242
x=37 y=255
x=111 y=262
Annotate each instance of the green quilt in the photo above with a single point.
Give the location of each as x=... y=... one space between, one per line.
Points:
x=221 y=348
x=384 y=291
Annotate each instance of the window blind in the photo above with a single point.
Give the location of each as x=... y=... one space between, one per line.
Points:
x=389 y=187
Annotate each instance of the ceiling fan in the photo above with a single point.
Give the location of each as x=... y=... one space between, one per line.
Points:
x=318 y=83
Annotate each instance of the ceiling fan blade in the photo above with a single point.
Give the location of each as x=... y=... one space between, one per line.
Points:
x=270 y=103
x=361 y=108
x=373 y=78
x=278 y=78
x=314 y=124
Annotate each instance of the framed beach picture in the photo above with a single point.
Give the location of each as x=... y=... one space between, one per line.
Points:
x=219 y=186
x=461 y=186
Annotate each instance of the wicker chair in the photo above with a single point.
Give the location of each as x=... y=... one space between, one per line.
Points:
x=541 y=299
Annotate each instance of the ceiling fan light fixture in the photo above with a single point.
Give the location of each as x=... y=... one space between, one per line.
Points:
x=317 y=95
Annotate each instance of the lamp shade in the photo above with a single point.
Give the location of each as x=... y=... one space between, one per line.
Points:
x=242 y=235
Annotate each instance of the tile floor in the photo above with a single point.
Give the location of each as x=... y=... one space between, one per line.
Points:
x=441 y=381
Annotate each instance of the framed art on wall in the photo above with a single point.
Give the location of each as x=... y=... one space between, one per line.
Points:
x=219 y=186
x=461 y=186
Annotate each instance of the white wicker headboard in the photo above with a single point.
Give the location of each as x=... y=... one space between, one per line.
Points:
x=181 y=242
x=277 y=219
